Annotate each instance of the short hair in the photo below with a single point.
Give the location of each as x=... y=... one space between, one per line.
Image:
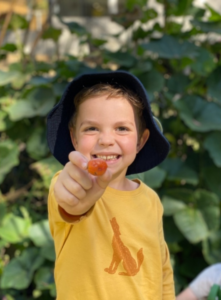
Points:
x=114 y=92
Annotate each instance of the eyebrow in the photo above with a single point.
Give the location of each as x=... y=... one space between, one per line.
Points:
x=116 y=124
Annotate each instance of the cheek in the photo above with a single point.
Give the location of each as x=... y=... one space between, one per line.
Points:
x=85 y=143
x=130 y=144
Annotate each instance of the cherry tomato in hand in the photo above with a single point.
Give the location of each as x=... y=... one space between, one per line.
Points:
x=97 y=167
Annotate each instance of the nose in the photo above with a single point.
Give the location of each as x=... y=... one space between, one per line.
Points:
x=106 y=139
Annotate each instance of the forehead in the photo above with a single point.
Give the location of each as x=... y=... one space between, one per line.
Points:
x=105 y=105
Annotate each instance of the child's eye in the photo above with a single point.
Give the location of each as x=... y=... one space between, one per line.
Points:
x=90 y=128
x=122 y=128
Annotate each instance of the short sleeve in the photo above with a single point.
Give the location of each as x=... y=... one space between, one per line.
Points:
x=202 y=284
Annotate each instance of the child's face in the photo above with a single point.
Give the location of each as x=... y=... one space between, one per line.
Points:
x=106 y=128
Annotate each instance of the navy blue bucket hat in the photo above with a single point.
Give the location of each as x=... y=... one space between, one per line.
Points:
x=154 y=151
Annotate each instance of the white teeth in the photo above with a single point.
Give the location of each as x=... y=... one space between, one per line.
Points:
x=108 y=157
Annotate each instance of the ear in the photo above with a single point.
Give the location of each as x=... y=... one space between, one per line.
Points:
x=144 y=138
x=73 y=138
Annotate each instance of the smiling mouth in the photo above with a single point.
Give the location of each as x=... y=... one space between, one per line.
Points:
x=106 y=157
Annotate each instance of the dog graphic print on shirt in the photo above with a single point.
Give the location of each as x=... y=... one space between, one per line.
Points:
x=122 y=253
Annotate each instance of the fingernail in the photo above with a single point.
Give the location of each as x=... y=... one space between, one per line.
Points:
x=84 y=165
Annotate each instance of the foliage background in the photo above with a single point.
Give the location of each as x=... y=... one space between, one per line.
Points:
x=181 y=70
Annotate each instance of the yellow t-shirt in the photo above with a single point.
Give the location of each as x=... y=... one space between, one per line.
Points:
x=117 y=251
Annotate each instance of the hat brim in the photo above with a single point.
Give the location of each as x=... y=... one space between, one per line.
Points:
x=58 y=136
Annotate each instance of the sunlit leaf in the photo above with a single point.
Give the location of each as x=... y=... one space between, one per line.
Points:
x=47 y=168
x=8 y=77
x=191 y=223
x=19 y=272
x=14 y=229
x=38 y=103
x=171 y=206
x=40 y=234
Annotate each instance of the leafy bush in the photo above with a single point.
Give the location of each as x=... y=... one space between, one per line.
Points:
x=181 y=70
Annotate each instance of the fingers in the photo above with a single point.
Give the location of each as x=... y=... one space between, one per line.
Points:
x=78 y=159
x=104 y=180
x=78 y=175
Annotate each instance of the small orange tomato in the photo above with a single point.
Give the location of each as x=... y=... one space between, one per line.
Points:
x=97 y=167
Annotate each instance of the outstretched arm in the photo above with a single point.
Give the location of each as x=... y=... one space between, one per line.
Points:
x=200 y=287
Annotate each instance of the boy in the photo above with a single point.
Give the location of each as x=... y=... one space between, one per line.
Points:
x=107 y=230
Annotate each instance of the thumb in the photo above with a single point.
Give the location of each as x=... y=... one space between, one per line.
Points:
x=104 y=180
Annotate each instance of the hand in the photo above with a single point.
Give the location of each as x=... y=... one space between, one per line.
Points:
x=76 y=191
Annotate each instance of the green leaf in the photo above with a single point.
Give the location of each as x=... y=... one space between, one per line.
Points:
x=5 y=123
x=211 y=247
x=47 y=168
x=14 y=229
x=19 y=271
x=178 y=83
x=18 y=22
x=191 y=223
x=153 y=178
x=212 y=143
x=209 y=205
x=171 y=48
x=48 y=252
x=141 y=67
x=205 y=62
x=52 y=33
x=196 y=113
x=39 y=102
x=98 y=42
x=153 y=81
x=214 y=15
x=44 y=278
x=130 y=4
x=148 y=14
x=211 y=175
x=171 y=206
x=124 y=59
x=9 y=153
x=2 y=212
x=8 y=77
x=208 y=27
x=37 y=144
x=75 y=28
x=179 y=170
x=9 y=47
x=214 y=85
x=40 y=234
x=172 y=233
x=39 y=81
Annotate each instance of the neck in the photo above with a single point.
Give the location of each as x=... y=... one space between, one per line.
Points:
x=124 y=185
